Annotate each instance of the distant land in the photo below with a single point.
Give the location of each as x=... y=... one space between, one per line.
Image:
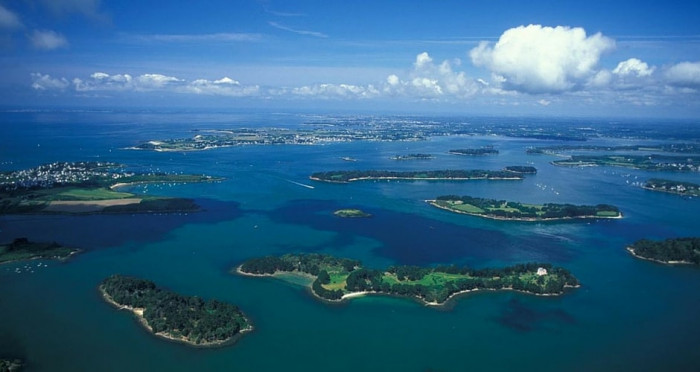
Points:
x=522 y=169
x=190 y=320
x=669 y=251
x=672 y=187
x=447 y=175
x=337 y=279
x=87 y=187
x=690 y=148
x=23 y=249
x=514 y=211
x=644 y=162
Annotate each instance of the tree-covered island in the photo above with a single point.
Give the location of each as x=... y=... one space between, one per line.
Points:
x=87 y=187
x=481 y=151
x=337 y=279
x=439 y=175
x=669 y=251
x=672 y=187
x=644 y=162
x=509 y=210
x=522 y=169
x=351 y=213
x=191 y=320
x=23 y=249
x=685 y=148
x=416 y=156
x=10 y=365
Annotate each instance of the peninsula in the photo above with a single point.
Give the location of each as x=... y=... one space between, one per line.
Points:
x=433 y=175
x=685 y=148
x=87 y=187
x=669 y=251
x=23 y=249
x=672 y=187
x=175 y=317
x=337 y=279
x=514 y=211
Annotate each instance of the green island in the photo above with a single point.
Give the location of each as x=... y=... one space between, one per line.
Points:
x=514 y=211
x=488 y=150
x=22 y=249
x=10 y=365
x=672 y=187
x=337 y=279
x=522 y=169
x=644 y=162
x=87 y=187
x=175 y=317
x=448 y=175
x=351 y=213
x=669 y=251
x=664 y=147
x=417 y=156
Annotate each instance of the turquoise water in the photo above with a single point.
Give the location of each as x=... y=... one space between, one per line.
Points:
x=628 y=315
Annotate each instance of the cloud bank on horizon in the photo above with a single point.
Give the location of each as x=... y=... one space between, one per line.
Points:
x=532 y=63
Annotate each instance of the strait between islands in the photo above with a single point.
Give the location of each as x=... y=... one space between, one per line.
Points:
x=337 y=279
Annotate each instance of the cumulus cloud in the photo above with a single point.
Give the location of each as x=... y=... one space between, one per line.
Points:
x=429 y=80
x=336 y=91
x=8 y=19
x=684 y=74
x=538 y=59
x=46 y=82
x=47 y=40
x=634 y=67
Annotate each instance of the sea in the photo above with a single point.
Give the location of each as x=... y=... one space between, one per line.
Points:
x=628 y=315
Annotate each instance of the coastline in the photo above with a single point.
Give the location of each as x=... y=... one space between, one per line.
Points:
x=60 y=259
x=138 y=313
x=633 y=253
x=433 y=202
x=670 y=192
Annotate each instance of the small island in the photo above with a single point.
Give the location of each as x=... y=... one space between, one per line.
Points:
x=435 y=175
x=669 y=251
x=417 y=156
x=338 y=279
x=351 y=213
x=88 y=187
x=644 y=162
x=514 y=211
x=10 y=365
x=521 y=169
x=23 y=249
x=481 y=151
x=672 y=187
x=190 y=320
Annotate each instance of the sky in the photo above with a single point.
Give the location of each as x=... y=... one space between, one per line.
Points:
x=550 y=58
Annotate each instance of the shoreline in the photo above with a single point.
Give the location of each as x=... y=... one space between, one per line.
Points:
x=670 y=192
x=55 y=258
x=633 y=253
x=351 y=295
x=521 y=219
x=138 y=313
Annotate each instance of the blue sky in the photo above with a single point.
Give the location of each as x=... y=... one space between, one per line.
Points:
x=598 y=58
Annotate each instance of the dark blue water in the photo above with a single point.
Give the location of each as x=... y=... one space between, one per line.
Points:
x=628 y=315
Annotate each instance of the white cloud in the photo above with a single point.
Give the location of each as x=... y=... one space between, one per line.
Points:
x=299 y=32
x=154 y=81
x=47 y=40
x=428 y=80
x=537 y=59
x=336 y=91
x=8 y=19
x=633 y=67
x=46 y=82
x=684 y=74
x=221 y=87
